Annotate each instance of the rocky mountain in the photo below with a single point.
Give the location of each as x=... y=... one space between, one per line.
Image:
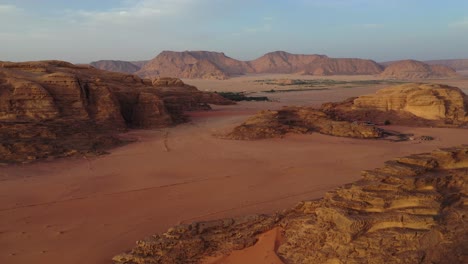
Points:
x=115 y=66
x=193 y=64
x=214 y=65
x=413 y=104
x=456 y=64
x=411 y=69
x=283 y=62
x=55 y=108
x=411 y=210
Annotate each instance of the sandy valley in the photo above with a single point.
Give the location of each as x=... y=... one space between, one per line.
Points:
x=86 y=210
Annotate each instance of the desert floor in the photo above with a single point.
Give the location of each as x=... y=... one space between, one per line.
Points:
x=81 y=210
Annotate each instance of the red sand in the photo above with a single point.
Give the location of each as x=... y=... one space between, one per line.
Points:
x=78 y=211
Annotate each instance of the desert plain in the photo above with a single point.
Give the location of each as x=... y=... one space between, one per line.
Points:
x=88 y=209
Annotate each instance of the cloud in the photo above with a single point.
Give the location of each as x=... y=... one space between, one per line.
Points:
x=132 y=11
x=463 y=24
x=8 y=9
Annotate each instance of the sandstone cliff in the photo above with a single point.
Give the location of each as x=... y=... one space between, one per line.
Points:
x=214 y=65
x=412 y=210
x=407 y=104
x=411 y=69
x=51 y=108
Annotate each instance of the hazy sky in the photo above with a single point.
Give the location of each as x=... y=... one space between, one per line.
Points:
x=87 y=30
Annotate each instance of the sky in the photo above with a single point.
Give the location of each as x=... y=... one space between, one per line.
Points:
x=88 y=30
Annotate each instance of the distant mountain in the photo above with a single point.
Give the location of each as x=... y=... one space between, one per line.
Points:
x=283 y=62
x=457 y=64
x=215 y=65
x=412 y=69
x=193 y=64
x=117 y=66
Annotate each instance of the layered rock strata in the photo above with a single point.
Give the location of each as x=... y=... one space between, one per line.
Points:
x=407 y=104
x=53 y=107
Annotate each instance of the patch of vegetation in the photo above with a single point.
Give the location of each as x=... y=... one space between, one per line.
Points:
x=322 y=83
x=295 y=90
x=241 y=97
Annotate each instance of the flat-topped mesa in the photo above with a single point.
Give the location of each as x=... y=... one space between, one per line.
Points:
x=411 y=69
x=53 y=105
x=269 y=124
x=284 y=62
x=216 y=65
x=412 y=210
x=192 y=64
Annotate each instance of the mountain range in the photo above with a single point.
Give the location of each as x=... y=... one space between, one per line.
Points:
x=216 y=65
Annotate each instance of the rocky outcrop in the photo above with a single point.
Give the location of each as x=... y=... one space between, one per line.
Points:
x=51 y=108
x=407 y=104
x=411 y=69
x=115 y=66
x=412 y=210
x=214 y=65
x=269 y=124
x=428 y=101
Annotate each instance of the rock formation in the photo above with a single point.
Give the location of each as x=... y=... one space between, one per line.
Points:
x=411 y=69
x=456 y=64
x=268 y=124
x=116 y=66
x=51 y=108
x=412 y=210
x=214 y=65
x=407 y=104
x=283 y=62
x=193 y=64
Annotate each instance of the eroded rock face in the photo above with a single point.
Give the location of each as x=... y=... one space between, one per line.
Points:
x=412 y=210
x=407 y=104
x=429 y=101
x=269 y=124
x=411 y=69
x=53 y=107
